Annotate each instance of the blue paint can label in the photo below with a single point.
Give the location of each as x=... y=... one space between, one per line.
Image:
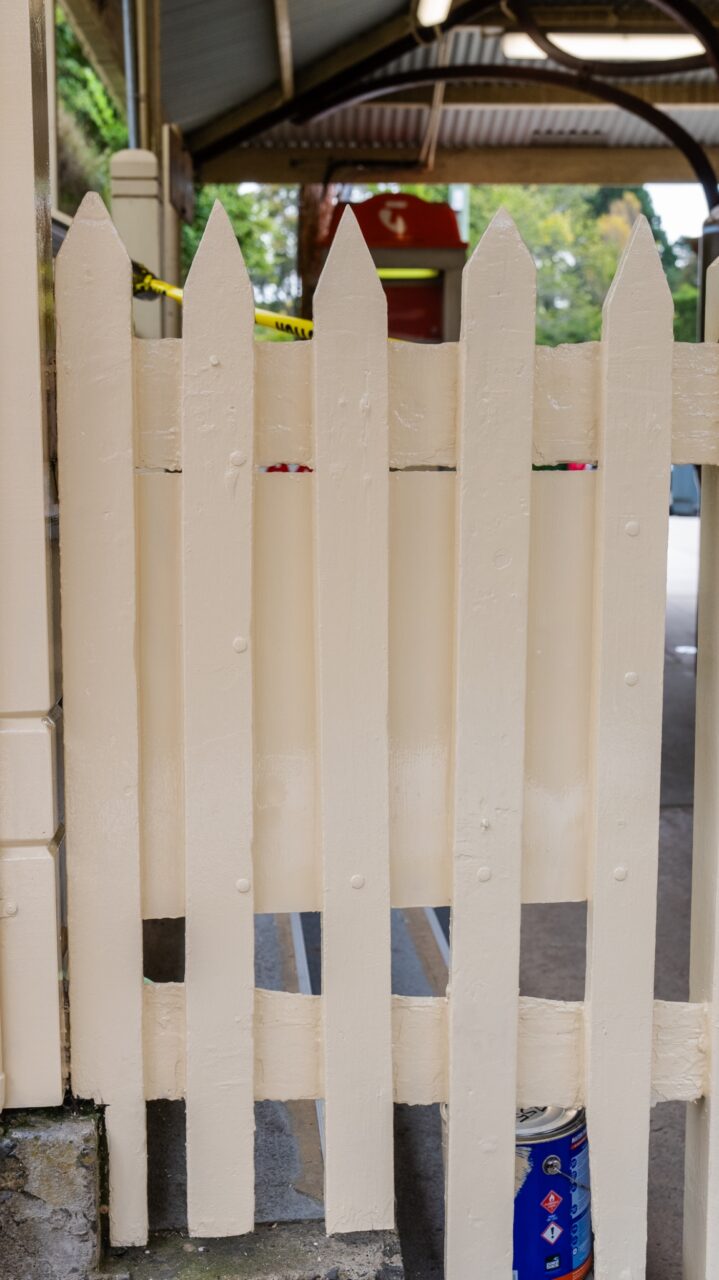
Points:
x=552 y=1212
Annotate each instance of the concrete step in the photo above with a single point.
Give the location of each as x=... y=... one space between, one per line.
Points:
x=283 y=1251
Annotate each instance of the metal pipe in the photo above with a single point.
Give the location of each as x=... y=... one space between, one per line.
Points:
x=686 y=14
x=143 y=74
x=128 y=42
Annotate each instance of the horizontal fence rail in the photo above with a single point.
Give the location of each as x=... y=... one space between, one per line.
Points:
x=417 y=674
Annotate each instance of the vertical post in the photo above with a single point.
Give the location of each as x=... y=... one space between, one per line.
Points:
x=51 y=71
x=99 y=629
x=494 y=471
x=351 y=583
x=708 y=253
x=632 y=506
x=171 y=233
x=26 y=643
x=701 y=1185
x=314 y=214
x=26 y=662
x=217 y=493
x=137 y=214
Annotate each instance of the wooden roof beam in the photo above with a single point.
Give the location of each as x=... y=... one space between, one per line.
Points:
x=283 y=32
x=592 y=164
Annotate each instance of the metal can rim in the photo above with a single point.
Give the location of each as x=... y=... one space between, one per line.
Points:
x=549 y=1122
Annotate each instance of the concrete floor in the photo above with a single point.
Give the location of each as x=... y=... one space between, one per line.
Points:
x=553 y=964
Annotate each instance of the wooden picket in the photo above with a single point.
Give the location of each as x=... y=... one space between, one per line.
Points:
x=218 y=482
x=98 y=566
x=632 y=517
x=352 y=637
x=701 y=1189
x=419 y=675
x=494 y=451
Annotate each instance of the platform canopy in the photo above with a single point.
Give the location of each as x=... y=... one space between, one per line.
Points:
x=276 y=90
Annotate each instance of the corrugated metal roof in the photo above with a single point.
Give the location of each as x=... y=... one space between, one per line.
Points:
x=214 y=55
x=218 y=53
x=491 y=127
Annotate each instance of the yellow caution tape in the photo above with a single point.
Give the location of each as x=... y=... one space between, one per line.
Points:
x=146 y=285
x=284 y=324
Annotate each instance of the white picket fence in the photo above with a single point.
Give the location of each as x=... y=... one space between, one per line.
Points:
x=422 y=674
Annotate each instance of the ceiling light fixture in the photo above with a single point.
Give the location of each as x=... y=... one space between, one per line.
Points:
x=432 y=13
x=620 y=48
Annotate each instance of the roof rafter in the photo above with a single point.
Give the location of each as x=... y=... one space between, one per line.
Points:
x=538 y=163
x=284 y=48
x=350 y=55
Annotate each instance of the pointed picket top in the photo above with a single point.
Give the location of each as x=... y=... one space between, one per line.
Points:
x=218 y=280
x=349 y=275
x=93 y=241
x=502 y=263
x=639 y=296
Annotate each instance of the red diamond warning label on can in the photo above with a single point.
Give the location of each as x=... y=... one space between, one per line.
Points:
x=551 y=1201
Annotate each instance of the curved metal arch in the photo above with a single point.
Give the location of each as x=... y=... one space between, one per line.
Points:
x=685 y=13
x=467 y=73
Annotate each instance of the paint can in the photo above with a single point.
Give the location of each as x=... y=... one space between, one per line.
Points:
x=552 y=1210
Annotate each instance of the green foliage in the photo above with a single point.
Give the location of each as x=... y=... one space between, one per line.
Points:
x=576 y=235
x=686 y=304
x=90 y=127
x=265 y=223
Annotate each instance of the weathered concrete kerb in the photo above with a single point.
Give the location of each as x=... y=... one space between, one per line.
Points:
x=49 y=1195
x=284 y=1251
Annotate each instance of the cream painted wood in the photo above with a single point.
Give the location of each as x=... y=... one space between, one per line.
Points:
x=137 y=212
x=28 y=791
x=283 y=403
x=99 y=622
x=421 y=636
x=157 y=365
x=351 y=526
x=164 y=1040
x=423 y=404
x=162 y=828
x=30 y=996
x=26 y=667
x=701 y=1177
x=550 y=1057
x=287 y=863
x=287 y=872
x=289 y=1030
x=630 y=589
x=217 y=487
x=680 y=1057
x=556 y=767
x=494 y=431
